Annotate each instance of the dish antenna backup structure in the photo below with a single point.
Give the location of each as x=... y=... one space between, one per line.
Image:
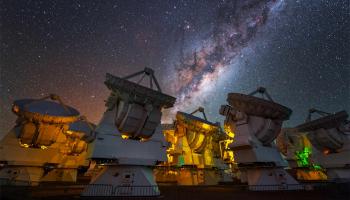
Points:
x=297 y=150
x=48 y=143
x=129 y=139
x=330 y=139
x=195 y=152
x=256 y=123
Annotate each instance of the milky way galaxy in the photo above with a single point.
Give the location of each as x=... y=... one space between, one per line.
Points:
x=236 y=24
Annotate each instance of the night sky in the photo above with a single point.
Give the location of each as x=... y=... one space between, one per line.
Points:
x=200 y=51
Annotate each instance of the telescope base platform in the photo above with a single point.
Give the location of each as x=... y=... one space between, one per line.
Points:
x=267 y=177
x=125 y=180
x=191 y=176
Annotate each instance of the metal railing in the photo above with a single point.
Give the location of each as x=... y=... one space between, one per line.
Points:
x=275 y=187
x=110 y=190
x=98 y=190
x=137 y=191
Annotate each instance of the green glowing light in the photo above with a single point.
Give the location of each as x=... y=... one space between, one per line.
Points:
x=181 y=161
x=316 y=167
x=303 y=157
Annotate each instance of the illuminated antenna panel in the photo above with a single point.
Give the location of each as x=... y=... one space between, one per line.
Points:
x=196 y=129
x=330 y=139
x=324 y=133
x=138 y=93
x=138 y=107
x=41 y=121
x=256 y=122
x=80 y=133
x=258 y=107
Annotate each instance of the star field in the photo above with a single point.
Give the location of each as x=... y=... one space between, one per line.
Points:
x=200 y=51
